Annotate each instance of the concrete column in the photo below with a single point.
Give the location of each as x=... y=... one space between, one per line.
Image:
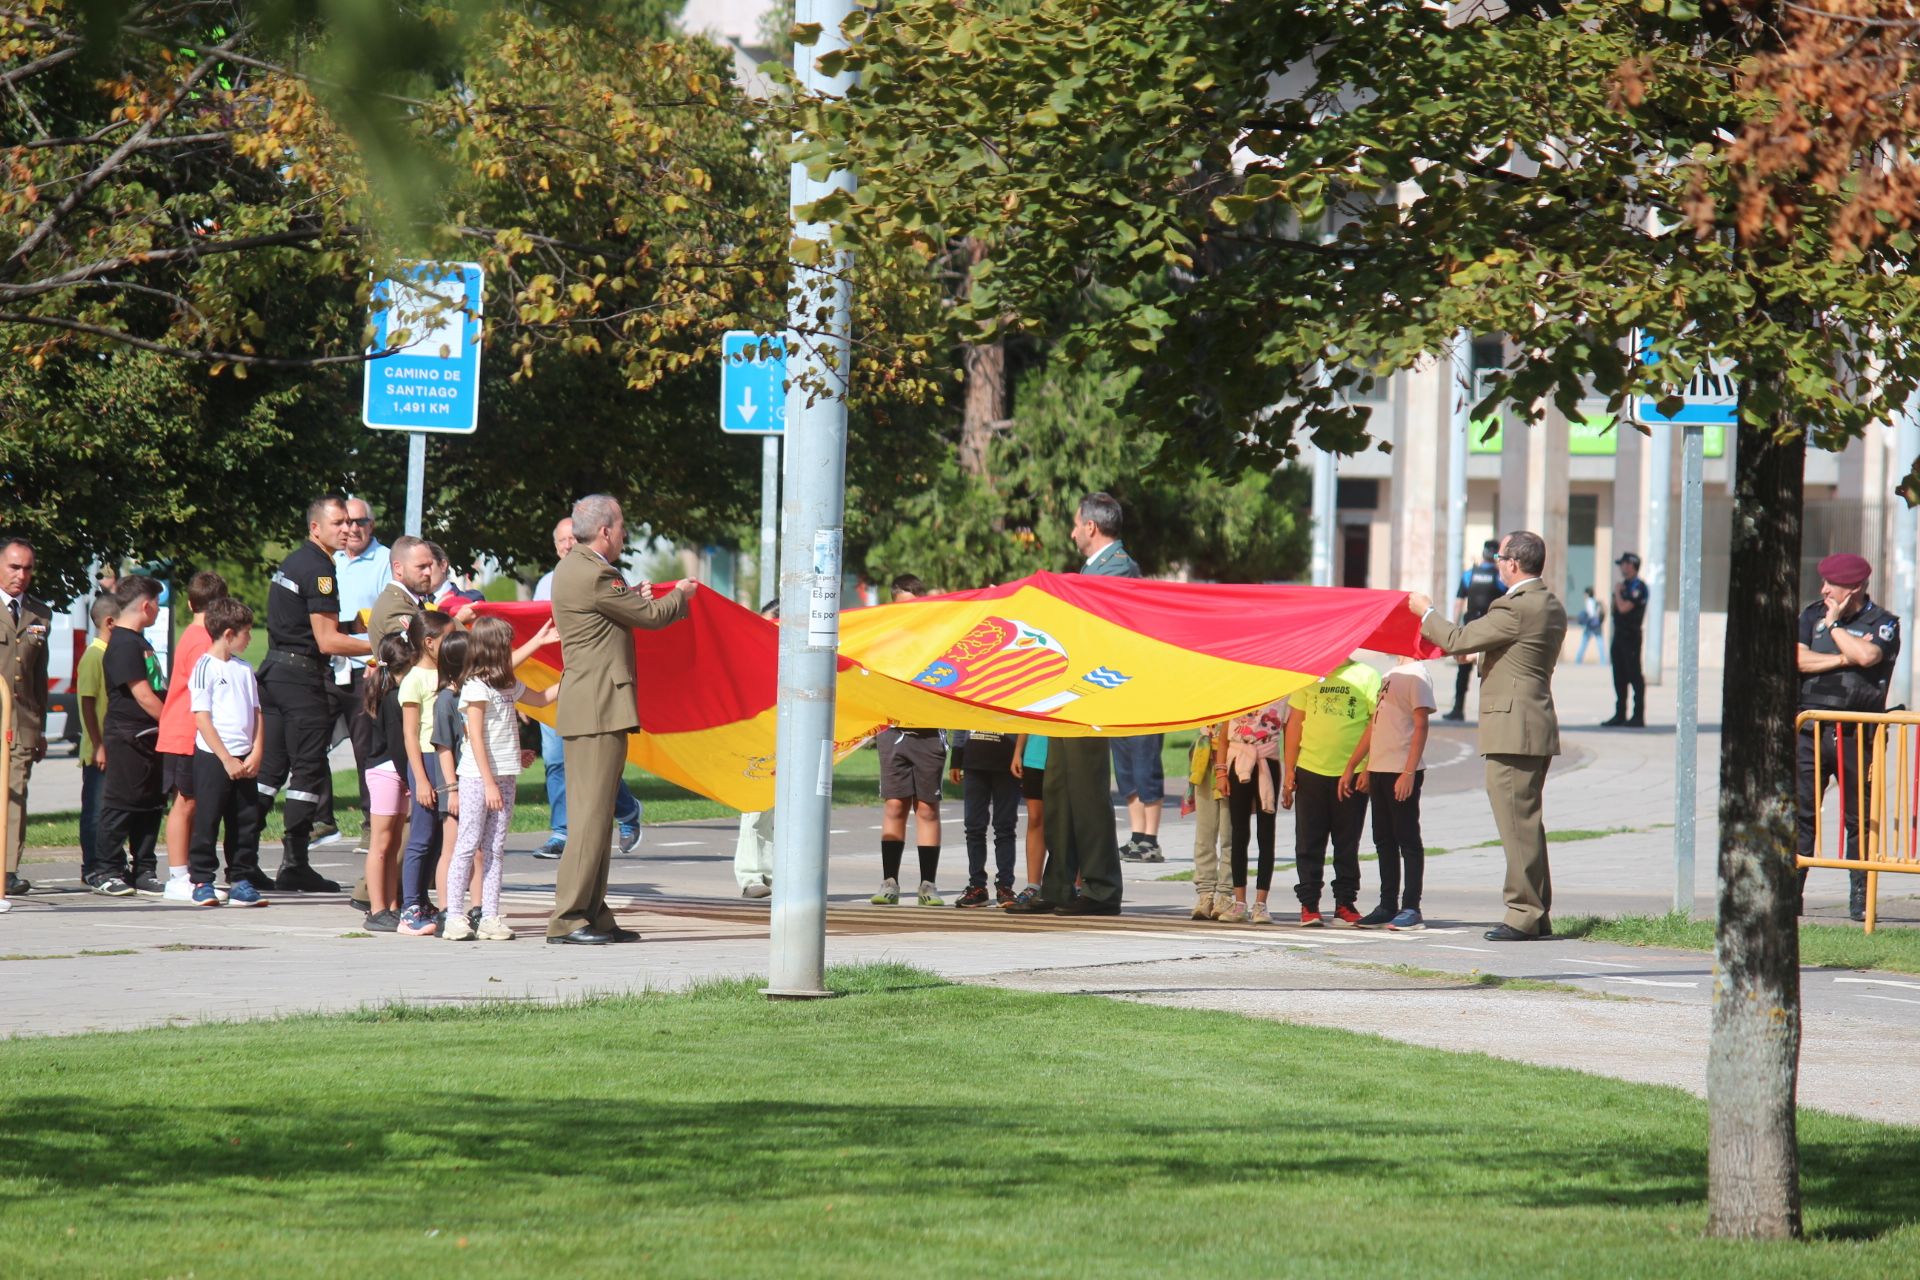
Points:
x=1421 y=480
x=1548 y=488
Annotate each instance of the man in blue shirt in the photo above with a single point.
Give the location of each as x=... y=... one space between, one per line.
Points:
x=1480 y=586
x=363 y=567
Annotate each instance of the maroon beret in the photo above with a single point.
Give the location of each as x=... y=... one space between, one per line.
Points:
x=1845 y=570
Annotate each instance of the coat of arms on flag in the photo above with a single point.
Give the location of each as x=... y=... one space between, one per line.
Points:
x=998 y=657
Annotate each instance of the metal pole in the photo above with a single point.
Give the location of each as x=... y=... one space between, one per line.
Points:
x=416 y=480
x=769 y=586
x=1686 y=762
x=1458 y=428
x=814 y=508
x=1324 y=489
x=1906 y=446
x=1654 y=559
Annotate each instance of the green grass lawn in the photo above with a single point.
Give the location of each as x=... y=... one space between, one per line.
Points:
x=1835 y=946
x=907 y=1129
x=856 y=781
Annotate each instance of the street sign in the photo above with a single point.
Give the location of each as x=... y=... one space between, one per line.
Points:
x=1711 y=396
x=433 y=383
x=753 y=386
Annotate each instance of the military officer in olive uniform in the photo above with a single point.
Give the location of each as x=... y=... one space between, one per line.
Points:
x=1847 y=649
x=596 y=612
x=24 y=626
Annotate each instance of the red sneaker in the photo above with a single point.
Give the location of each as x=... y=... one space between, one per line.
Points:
x=1310 y=919
x=1346 y=915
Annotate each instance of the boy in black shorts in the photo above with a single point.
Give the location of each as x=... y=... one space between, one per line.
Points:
x=130 y=795
x=911 y=764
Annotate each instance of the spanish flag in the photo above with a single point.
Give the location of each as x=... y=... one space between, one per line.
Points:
x=1059 y=655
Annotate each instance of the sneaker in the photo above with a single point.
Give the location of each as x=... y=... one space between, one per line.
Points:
x=415 y=923
x=322 y=833
x=975 y=896
x=493 y=929
x=1003 y=896
x=181 y=891
x=1382 y=914
x=1346 y=915
x=1203 y=907
x=245 y=895
x=1150 y=851
x=201 y=895
x=459 y=929
x=758 y=889
x=357 y=904
x=930 y=896
x=383 y=922
x=551 y=850
x=150 y=886
x=6 y=905
x=1406 y=921
x=303 y=879
x=1235 y=914
x=1030 y=903
x=889 y=895
x=1260 y=914
x=112 y=887
x=1310 y=918
x=629 y=837
x=1133 y=851
x=1221 y=901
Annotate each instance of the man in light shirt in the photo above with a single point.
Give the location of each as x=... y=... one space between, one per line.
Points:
x=363 y=567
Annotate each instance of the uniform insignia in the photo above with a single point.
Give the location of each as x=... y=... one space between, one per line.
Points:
x=1886 y=630
x=324 y=586
x=619 y=587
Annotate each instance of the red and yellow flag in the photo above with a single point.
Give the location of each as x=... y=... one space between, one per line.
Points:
x=1058 y=655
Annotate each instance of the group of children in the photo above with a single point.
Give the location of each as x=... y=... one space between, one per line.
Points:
x=446 y=756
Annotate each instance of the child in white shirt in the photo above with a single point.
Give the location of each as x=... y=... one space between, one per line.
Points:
x=224 y=697
x=1394 y=747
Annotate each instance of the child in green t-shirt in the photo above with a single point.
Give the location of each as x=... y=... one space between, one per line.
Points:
x=1327 y=721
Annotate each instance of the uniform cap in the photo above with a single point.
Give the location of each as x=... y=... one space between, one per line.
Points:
x=1845 y=570
x=1627 y=557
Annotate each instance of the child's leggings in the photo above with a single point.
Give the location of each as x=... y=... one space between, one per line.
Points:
x=485 y=831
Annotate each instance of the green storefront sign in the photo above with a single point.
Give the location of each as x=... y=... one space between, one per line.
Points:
x=1592 y=437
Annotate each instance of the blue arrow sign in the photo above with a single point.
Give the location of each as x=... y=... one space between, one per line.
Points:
x=432 y=384
x=753 y=384
x=1711 y=396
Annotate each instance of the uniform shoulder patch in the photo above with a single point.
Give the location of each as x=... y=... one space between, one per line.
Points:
x=619 y=585
x=1887 y=629
x=324 y=586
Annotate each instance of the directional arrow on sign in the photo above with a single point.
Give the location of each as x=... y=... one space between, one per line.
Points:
x=747 y=407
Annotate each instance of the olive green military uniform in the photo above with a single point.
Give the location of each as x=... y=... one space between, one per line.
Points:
x=596 y=614
x=394 y=609
x=23 y=660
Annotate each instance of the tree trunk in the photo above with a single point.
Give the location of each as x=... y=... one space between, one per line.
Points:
x=1753 y=1163
x=985 y=403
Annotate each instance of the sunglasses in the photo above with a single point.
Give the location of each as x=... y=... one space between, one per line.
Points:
x=366 y=520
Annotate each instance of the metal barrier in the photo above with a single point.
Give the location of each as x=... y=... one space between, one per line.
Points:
x=1888 y=803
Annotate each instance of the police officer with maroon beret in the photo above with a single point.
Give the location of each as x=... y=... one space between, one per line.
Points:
x=1847 y=649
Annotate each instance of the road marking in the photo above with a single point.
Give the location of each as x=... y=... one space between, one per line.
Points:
x=1895 y=999
x=1613 y=963
x=679 y=844
x=1883 y=982
x=840 y=831
x=1641 y=982
x=1485 y=951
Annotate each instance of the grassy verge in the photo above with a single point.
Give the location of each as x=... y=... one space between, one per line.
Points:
x=1835 y=946
x=668 y=1136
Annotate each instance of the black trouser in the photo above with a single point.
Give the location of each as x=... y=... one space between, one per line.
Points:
x=1078 y=813
x=1248 y=818
x=219 y=799
x=1396 y=839
x=296 y=720
x=1624 y=653
x=1318 y=812
x=1832 y=744
x=1462 y=677
x=130 y=810
x=136 y=829
x=994 y=791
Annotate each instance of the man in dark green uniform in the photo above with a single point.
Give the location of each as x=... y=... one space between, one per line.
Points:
x=1077 y=801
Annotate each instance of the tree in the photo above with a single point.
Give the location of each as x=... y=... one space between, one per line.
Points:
x=1333 y=192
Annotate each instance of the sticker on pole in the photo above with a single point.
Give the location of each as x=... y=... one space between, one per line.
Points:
x=753 y=384
x=433 y=382
x=1710 y=398
x=823 y=597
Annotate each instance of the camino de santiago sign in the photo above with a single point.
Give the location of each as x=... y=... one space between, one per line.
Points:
x=433 y=383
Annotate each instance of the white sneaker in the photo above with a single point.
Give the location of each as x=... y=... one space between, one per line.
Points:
x=458 y=928
x=758 y=889
x=493 y=929
x=6 y=905
x=177 y=891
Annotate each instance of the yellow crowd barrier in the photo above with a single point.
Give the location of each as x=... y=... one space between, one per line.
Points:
x=1877 y=763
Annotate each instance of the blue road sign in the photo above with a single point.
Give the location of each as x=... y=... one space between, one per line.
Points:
x=753 y=386
x=433 y=384
x=1711 y=396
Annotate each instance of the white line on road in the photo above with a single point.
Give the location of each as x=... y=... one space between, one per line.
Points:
x=1610 y=963
x=1883 y=982
x=840 y=831
x=1641 y=982
x=1485 y=951
x=679 y=844
x=1895 y=999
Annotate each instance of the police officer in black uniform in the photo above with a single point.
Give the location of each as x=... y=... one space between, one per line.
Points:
x=1629 y=630
x=303 y=631
x=1848 y=645
x=1480 y=586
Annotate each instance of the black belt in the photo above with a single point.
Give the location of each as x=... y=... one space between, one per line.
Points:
x=298 y=661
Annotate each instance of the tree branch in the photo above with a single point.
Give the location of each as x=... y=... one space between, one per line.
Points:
x=96 y=269
x=185 y=353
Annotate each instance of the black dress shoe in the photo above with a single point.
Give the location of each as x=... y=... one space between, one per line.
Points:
x=1616 y=721
x=303 y=879
x=582 y=937
x=17 y=887
x=1507 y=933
x=1085 y=906
x=1546 y=930
x=623 y=935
